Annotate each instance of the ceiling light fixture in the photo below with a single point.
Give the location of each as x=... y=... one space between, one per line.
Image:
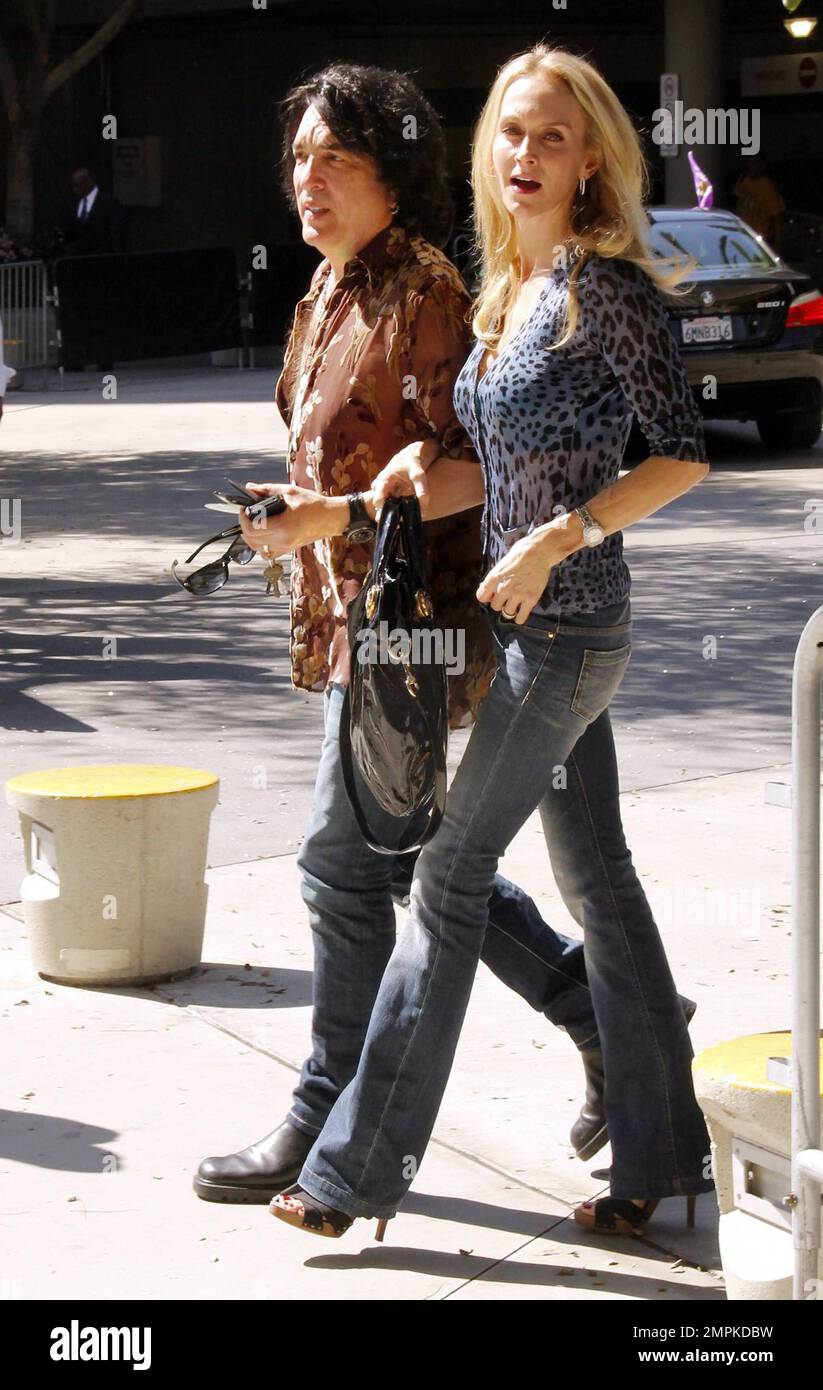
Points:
x=800 y=27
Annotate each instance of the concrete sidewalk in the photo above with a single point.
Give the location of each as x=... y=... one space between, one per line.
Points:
x=112 y=491
x=113 y=1096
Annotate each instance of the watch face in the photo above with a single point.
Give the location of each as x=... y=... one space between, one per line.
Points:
x=595 y=535
x=361 y=533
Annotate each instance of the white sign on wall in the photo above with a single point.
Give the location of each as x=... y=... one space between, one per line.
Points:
x=785 y=72
x=137 y=172
x=669 y=93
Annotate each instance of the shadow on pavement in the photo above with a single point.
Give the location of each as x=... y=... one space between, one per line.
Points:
x=53 y=1141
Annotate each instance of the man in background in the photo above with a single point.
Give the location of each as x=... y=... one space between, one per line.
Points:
x=97 y=224
x=95 y=230
x=759 y=202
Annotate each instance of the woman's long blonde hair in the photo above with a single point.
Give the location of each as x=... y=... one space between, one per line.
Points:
x=609 y=218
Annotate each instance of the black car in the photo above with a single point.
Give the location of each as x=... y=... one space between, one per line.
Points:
x=750 y=328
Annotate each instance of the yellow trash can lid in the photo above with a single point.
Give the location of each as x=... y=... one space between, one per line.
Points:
x=742 y=1061
x=112 y=780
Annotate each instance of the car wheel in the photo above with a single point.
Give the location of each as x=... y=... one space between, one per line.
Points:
x=795 y=430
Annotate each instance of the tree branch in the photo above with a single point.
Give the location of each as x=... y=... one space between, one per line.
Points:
x=49 y=20
x=35 y=22
x=89 y=49
x=8 y=79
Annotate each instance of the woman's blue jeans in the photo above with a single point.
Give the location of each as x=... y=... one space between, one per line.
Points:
x=349 y=891
x=542 y=739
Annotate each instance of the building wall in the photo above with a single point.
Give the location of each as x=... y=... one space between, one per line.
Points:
x=208 y=85
x=791 y=125
x=209 y=88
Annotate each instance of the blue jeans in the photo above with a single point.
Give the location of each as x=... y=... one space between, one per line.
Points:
x=350 y=892
x=542 y=739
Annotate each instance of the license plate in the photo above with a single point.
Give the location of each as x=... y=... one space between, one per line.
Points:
x=708 y=330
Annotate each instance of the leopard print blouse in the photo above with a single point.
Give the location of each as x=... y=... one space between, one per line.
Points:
x=551 y=428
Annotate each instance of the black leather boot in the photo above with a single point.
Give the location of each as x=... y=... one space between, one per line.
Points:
x=589 y=1132
x=255 y=1174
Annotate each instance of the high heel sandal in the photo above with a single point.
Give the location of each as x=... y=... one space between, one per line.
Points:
x=619 y=1216
x=307 y=1213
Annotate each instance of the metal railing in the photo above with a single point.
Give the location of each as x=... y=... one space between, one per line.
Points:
x=807 y=1156
x=24 y=312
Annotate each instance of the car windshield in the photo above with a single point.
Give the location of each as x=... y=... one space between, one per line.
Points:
x=714 y=242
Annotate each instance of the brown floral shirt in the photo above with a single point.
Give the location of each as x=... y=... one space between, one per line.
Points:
x=369 y=368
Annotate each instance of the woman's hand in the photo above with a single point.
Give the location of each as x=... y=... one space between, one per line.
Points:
x=515 y=584
x=299 y=524
x=405 y=474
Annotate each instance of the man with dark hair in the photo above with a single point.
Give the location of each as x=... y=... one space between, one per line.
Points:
x=364 y=156
x=96 y=225
x=95 y=230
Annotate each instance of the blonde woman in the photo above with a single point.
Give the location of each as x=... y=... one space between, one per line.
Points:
x=572 y=343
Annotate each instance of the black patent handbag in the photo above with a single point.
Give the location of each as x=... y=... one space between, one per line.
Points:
x=394 y=720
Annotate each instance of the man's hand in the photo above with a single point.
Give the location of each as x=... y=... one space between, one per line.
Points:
x=300 y=524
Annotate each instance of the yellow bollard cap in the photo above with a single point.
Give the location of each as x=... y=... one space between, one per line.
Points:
x=112 y=780
x=742 y=1061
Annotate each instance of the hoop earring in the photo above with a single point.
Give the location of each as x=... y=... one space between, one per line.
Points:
x=582 y=187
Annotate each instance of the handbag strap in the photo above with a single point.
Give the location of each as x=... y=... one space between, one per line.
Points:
x=400 y=531
x=386 y=540
x=414 y=545
x=347 y=764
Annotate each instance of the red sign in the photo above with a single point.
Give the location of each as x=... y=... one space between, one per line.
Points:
x=807 y=72
x=773 y=74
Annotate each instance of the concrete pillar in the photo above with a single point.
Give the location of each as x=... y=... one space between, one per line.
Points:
x=749 y=1121
x=115 y=855
x=693 y=49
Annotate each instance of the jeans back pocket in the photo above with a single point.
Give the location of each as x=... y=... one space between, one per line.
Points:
x=600 y=675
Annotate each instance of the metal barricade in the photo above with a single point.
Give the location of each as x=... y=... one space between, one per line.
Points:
x=24 y=311
x=807 y=1156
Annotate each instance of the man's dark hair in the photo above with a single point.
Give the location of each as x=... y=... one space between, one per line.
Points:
x=367 y=109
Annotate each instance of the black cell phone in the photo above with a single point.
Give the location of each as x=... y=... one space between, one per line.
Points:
x=238 y=488
x=272 y=506
x=235 y=494
x=232 y=498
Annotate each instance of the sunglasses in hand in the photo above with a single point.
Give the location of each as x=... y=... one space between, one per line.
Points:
x=209 y=578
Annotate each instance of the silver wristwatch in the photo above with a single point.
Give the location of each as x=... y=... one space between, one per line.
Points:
x=361 y=528
x=593 y=533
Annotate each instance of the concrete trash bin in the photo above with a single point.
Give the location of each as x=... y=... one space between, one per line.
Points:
x=115 y=854
x=749 y=1120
